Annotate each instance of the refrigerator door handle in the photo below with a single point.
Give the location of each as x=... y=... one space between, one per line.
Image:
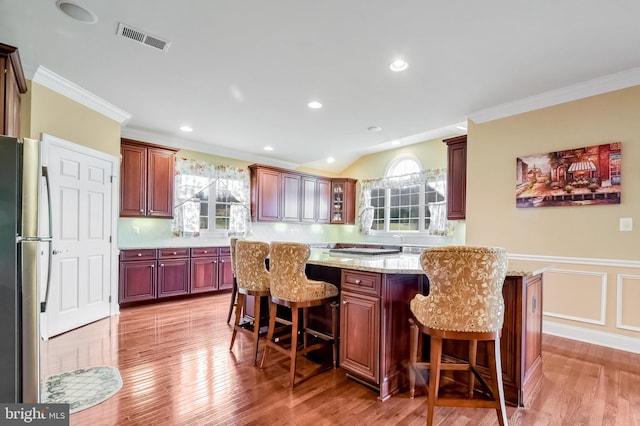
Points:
x=43 y=305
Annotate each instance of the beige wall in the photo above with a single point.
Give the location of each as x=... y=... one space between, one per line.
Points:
x=57 y=115
x=595 y=267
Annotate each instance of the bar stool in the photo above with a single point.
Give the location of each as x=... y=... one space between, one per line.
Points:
x=234 y=291
x=464 y=303
x=291 y=288
x=253 y=280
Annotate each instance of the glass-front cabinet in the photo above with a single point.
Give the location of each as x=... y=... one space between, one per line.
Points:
x=343 y=201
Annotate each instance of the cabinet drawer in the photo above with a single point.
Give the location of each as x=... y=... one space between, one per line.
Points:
x=142 y=254
x=172 y=253
x=361 y=282
x=204 y=251
x=224 y=251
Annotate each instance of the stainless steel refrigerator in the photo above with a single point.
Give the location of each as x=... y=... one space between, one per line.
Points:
x=20 y=242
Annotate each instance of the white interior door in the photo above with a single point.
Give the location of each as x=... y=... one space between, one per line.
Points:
x=82 y=272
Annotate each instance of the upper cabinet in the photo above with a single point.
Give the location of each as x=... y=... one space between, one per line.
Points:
x=456 y=177
x=275 y=195
x=12 y=84
x=146 y=180
x=343 y=196
x=279 y=195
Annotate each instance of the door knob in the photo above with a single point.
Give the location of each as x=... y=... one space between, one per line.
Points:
x=56 y=251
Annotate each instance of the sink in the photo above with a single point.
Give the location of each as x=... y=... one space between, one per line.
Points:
x=365 y=251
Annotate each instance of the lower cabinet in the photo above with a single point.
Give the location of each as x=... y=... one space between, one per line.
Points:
x=374 y=318
x=148 y=274
x=173 y=272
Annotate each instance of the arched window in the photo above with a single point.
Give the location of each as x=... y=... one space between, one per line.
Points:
x=408 y=198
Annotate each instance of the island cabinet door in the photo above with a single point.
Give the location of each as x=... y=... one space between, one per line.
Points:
x=359 y=336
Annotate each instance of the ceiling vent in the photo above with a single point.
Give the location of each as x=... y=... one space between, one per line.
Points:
x=126 y=31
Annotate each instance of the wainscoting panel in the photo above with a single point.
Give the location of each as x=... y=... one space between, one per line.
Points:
x=628 y=295
x=587 y=289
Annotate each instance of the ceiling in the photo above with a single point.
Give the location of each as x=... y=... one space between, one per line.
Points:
x=241 y=73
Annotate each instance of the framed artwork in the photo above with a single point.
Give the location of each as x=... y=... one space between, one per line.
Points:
x=573 y=177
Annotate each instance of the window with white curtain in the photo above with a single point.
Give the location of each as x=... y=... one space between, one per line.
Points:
x=210 y=199
x=407 y=199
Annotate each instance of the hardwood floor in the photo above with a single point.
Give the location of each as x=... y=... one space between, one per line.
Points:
x=177 y=369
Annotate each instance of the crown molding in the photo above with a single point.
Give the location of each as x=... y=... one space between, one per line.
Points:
x=71 y=90
x=597 y=86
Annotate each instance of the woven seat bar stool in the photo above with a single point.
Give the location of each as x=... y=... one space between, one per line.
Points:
x=234 y=291
x=253 y=280
x=291 y=288
x=464 y=303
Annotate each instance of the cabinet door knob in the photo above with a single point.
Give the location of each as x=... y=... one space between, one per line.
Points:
x=205 y=252
x=221 y=260
x=175 y=253
x=358 y=281
x=153 y=266
x=162 y=265
x=142 y=211
x=344 y=302
x=139 y=254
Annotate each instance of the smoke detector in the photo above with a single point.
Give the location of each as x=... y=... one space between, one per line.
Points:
x=142 y=37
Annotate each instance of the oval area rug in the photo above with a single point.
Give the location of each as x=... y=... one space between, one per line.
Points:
x=82 y=388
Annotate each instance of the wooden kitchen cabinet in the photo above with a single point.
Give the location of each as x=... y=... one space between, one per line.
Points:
x=275 y=194
x=12 y=85
x=137 y=280
x=343 y=202
x=173 y=272
x=456 y=177
x=374 y=318
x=316 y=200
x=225 y=270
x=204 y=269
x=147 y=180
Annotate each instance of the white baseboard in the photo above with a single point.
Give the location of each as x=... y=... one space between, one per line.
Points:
x=601 y=338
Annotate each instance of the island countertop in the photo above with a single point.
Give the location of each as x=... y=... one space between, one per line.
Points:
x=403 y=263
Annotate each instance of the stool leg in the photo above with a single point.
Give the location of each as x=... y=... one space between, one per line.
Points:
x=238 y=315
x=495 y=368
x=293 y=354
x=473 y=352
x=434 y=377
x=234 y=302
x=413 y=356
x=257 y=301
x=272 y=326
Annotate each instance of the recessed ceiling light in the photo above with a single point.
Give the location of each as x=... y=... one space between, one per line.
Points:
x=398 y=65
x=396 y=142
x=268 y=148
x=331 y=160
x=314 y=105
x=77 y=12
x=186 y=129
x=374 y=128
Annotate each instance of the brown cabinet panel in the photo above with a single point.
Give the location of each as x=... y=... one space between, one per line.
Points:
x=290 y=198
x=456 y=177
x=266 y=190
x=361 y=282
x=137 y=281
x=12 y=85
x=160 y=183
x=343 y=203
x=360 y=335
x=173 y=277
x=533 y=319
x=225 y=273
x=204 y=274
x=323 y=201
x=147 y=180
x=316 y=200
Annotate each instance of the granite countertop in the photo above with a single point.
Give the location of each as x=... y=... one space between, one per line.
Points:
x=404 y=263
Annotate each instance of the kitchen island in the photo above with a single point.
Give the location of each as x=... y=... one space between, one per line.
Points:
x=374 y=313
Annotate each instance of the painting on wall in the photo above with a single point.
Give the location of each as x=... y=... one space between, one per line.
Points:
x=573 y=177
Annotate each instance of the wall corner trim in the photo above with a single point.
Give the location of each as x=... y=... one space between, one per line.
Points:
x=59 y=84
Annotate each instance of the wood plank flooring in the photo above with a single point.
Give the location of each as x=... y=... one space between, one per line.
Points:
x=177 y=369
